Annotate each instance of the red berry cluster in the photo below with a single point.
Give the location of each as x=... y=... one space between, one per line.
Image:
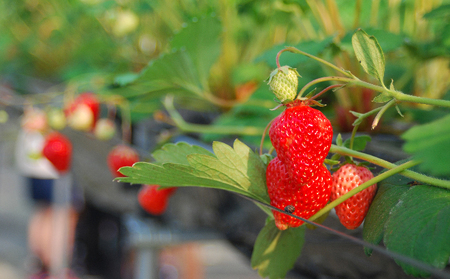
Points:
x=296 y=178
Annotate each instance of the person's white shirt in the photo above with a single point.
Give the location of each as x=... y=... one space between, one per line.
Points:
x=29 y=145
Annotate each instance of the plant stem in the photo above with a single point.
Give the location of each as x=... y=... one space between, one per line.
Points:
x=207 y=129
x=325 y=90
x=383 y=109
x=350 y=78
x=387 y=165
x=399 y=96
x=352 y=139
x=264 y=135
x=365 y=185
x=295 y=50
x=319 y=80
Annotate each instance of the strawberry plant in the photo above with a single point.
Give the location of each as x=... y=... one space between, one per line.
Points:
x=409 y=212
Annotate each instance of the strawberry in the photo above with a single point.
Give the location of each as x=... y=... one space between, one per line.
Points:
x=302 y=136
x=301 y=200
x=283 y=82
x=58 y=150
x=56 y=118
x=121 y=156
x=352 y=212
x=154 y=200
x=83 y=112
x=105 y=129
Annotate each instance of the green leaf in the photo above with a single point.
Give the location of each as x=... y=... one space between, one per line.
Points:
x=359 y=142
x=125 y=79
x=430 y=143
x=388 y=41
x=339 y=140
x=169 y=71
x=177 y=153
x=382 y=98
x=201 y=40
x=184 y=70
x=369 y=54
x=398 y=110
x=276 y=251
x=419 y=226
x=236 y=169
x=438 y=13
x=388 y=195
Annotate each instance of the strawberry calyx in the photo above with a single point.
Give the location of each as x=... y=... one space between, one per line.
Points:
x=304 y=102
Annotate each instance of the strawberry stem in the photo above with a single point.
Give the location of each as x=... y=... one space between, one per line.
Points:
x=326 y=63
x=387 y=165
x=397 y=95
x=325 y=90
x=264 y=135
x=381 y=112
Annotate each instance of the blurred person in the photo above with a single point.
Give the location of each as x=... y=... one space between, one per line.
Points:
x=52 y=227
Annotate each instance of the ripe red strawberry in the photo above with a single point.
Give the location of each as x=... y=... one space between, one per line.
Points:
x=154 y=200
x=121 y=156
x=300 y=200
x=352 y=212
x=302 y=136
x=58 y=150
x=83 y=112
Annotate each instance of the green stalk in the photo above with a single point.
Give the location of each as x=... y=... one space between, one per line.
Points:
x=350 y=78
x=295 y=50
x=365 y=185
x=387 y=165
x=399 y=96
x=207 y=129
x=352 y=139
x=319 y=80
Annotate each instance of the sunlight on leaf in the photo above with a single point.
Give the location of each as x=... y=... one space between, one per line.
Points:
x=369 y=54
x=237 y=169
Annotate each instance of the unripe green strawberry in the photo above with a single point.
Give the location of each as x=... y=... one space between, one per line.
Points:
x=352 y=212
x=301 y=200
x=302 y=136
x=56 y=118
x=104 y=129
x=283 y=82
